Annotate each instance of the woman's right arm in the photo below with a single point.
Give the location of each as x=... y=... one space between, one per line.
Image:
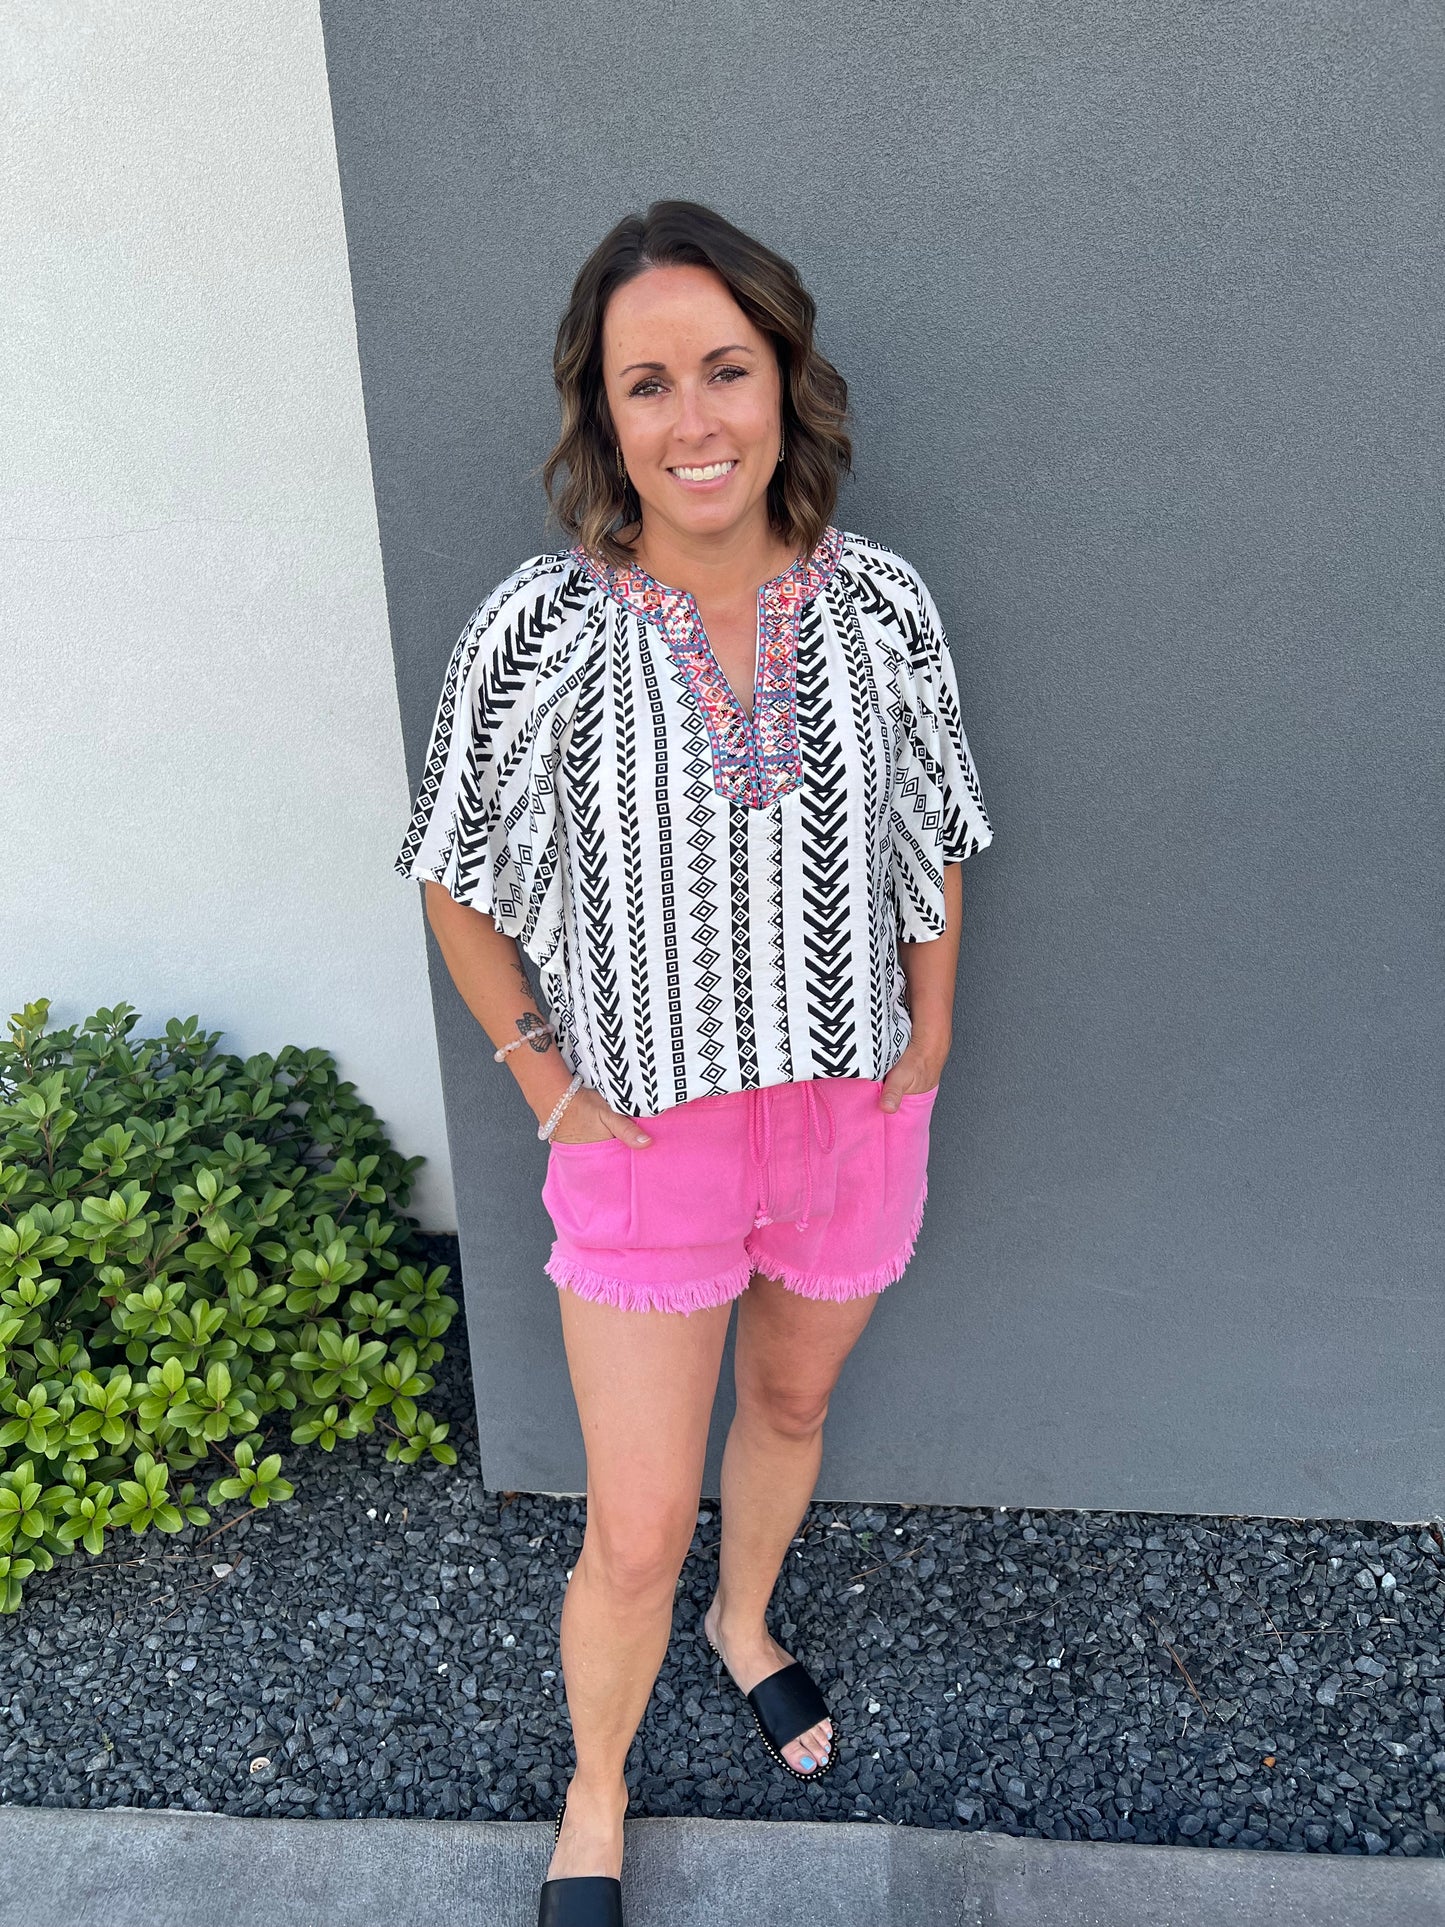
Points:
x=487 y=968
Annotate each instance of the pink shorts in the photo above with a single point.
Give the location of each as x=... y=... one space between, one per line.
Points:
x=812 y=1183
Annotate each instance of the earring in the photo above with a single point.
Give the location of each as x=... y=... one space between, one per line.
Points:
x=780 y=454
x=621 y=466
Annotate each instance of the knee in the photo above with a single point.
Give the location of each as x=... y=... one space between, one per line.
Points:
x=636 y=1556
x=792 y=1411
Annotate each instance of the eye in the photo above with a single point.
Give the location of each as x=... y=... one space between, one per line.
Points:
x=651 y=381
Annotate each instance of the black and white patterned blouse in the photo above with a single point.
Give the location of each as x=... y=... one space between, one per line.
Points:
x=712 y=899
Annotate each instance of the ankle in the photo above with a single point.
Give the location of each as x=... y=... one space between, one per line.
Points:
x=737 y=1626
x=597 y=1795
x=591 y=1839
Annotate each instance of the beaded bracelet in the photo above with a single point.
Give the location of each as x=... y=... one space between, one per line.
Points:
x=501 y=1052
x=545 y=1130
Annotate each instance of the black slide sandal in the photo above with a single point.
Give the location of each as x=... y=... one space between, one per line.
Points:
x=579 y=1900
x=786 y=1704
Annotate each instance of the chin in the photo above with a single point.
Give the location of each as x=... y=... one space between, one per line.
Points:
x=720 y=511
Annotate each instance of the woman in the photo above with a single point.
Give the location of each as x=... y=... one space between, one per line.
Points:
x=706 y=767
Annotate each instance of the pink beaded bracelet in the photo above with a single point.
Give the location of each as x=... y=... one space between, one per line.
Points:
x=502 y=1049
x=544 y=1130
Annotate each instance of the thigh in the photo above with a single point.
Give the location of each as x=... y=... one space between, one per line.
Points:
x=790 y=1349
x=644 y=1382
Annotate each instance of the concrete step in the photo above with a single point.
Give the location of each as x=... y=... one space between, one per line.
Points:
x=134 y=1867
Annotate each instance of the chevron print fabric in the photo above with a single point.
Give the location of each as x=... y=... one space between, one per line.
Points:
x=713 y=900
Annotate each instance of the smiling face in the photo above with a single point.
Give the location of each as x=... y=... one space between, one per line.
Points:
x=695 y=394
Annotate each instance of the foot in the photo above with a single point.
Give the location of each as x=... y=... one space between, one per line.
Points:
x=591 y=1838
x=751 y=1656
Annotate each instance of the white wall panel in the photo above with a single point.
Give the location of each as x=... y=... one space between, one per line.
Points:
x=204 y=780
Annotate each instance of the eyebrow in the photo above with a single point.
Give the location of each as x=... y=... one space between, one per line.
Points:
x=732 y=348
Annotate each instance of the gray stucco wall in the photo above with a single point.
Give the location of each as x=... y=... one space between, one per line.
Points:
x=1142 y=316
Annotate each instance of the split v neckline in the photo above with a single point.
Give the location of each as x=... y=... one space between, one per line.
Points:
x=755 y=757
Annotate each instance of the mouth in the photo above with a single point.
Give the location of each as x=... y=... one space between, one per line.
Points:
x=703 y=475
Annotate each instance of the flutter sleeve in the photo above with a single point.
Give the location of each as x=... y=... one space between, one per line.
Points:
x=937 y=815
x=482 y=823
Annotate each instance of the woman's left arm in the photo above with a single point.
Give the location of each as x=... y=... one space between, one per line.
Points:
x=932 y=971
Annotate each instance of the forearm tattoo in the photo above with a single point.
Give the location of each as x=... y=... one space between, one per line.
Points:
x=531 y=1023
x=532 y=1027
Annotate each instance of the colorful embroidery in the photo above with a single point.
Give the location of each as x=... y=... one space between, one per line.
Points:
x=755 y=758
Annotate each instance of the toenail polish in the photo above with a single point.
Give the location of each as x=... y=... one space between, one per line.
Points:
x=807 y=1763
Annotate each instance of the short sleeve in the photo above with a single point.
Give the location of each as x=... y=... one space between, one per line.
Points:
x=938 y=815
x=481 y=825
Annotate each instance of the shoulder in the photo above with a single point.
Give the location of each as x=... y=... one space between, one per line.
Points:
x=552 y=580
x=529 y=626
x=884 y=573
x=523 y=630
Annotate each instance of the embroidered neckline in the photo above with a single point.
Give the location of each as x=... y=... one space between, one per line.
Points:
x=755 y=759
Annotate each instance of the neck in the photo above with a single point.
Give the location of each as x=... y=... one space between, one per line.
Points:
x=713 y=568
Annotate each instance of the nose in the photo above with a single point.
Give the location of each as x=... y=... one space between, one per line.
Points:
x=696 y=415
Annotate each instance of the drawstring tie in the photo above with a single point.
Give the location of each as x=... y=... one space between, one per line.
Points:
x=817 y=1117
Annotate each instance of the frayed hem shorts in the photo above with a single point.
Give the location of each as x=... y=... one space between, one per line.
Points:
x=811 y=1183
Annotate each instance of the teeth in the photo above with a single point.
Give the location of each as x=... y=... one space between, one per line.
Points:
x=704 y=474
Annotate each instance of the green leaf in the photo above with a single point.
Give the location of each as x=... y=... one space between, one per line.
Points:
x=196 y=1251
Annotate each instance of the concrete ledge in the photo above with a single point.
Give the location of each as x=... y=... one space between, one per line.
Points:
x=133 y=1867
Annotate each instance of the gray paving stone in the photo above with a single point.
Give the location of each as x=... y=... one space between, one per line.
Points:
x=131 y=1867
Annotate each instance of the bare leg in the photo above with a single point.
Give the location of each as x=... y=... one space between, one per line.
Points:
x=644 y=1384
x=790 y=1350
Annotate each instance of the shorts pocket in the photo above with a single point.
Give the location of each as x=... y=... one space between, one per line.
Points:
x=905 y=1148
x=692 y=1185
x=588 y=1191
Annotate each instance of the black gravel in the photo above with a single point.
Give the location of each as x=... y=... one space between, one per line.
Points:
x=386 y=1643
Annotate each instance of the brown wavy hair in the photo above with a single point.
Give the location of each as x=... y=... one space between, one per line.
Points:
x=594 y=504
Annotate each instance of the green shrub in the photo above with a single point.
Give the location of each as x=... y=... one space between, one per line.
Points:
x=193 y=1250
